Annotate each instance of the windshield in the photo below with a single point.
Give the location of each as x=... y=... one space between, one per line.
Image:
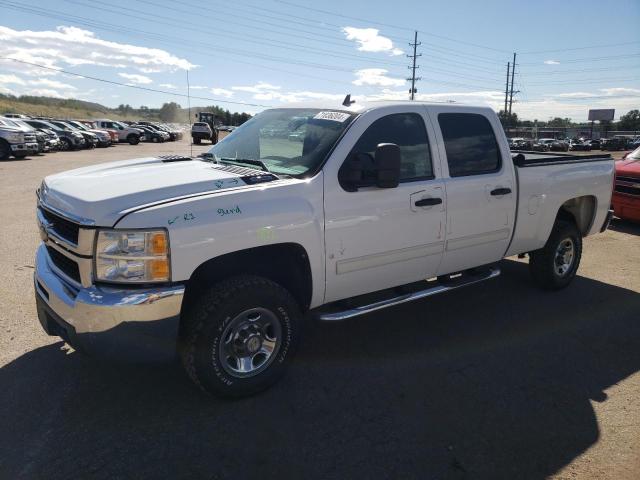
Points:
x=288 y=141
x=635 y=155
x=79 y=126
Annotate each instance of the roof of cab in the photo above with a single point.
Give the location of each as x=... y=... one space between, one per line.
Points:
x=360 y=106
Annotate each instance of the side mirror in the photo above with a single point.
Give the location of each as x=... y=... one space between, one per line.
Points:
x=387 y=165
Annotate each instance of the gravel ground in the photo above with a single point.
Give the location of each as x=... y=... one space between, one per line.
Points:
x=499 y=380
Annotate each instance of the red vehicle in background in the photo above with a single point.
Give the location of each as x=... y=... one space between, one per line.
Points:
x=626 y=195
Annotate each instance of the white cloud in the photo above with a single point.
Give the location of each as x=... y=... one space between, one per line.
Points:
x=223 y=92
x=376 y=76
x=258 y=88
x=573 y=95
x=198 y=87
x=75 y=46
x=370 y=40
x=551 y=62
x=6 y=79
x=45 y=82
x=44 y=92
x=136 y=79
x=170 y=86
x=620 y=90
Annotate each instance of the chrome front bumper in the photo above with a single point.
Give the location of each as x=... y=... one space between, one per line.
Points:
x=133 y=324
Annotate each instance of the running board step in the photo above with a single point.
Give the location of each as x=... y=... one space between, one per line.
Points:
x=441 y=287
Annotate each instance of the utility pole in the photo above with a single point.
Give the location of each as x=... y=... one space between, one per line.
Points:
x=513 y=71
x=506 y=90
x=414 y=67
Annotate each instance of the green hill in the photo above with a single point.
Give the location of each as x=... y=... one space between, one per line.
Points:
x=73 y=108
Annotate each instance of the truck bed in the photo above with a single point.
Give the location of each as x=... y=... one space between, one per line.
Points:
x=522 y=158
x=556 y=179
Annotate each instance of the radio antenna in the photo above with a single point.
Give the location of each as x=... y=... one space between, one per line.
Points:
x=189 y=109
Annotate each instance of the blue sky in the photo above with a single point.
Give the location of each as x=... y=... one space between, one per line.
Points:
x=572 y=55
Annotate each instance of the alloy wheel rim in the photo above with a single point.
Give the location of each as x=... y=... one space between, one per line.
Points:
x=250 y=342
x=564 y=256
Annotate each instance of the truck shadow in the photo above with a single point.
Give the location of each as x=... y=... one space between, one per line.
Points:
x=493 y=381
x=624 y=226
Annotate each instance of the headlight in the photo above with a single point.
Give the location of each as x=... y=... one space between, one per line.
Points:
x=16 y=137
x=132 y=256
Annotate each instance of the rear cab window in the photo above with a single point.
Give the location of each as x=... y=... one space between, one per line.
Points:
x=470 y=144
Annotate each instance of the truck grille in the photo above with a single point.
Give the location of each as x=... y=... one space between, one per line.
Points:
x=62 y=227
x=29 y=138
x=628 y=185
x=64 y=264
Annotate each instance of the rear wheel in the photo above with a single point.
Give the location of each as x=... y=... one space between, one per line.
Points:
x=196 y=140
x=238 y=337
x=555 y=265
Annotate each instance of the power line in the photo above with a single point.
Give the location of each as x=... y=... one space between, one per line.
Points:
x=587 y=59
x=288 y=45
x=369 y=21
x=532 y=52
x=113 y=82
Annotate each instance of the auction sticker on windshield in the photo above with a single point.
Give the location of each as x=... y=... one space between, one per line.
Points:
x=334 y=116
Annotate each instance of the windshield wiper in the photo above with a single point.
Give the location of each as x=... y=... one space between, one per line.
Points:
x=244 y=161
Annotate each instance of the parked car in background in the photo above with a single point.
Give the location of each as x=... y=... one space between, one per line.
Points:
x=166 y=136
x=113 y=133
x=90 y=139
x=547 y=141
x=152 y=135
x=69 y=139
x=520 y=143
x=594 y=144
x=559 y=146
x=540 y=147
x=626 y=194
x=201 y=131
x=104 y=138
x=125 y=133
x=579 y=146
x=41 y=138
x=614 y=144
x=14 y=141
x=14 y=115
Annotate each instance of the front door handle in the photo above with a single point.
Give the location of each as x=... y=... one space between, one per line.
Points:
x=428 y=202
x=500 y=191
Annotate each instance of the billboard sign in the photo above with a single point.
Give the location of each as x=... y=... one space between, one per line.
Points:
x=602 y=114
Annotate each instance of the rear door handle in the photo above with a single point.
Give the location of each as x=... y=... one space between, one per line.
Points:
x=500 y=191
x=428 y=202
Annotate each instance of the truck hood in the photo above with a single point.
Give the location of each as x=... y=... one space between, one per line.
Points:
x=103 y=193
x=629 y=167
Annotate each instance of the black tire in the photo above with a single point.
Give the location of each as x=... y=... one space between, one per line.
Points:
x=546 y=265
x=154 y=139
x=217 y=310
x=133 y=139
x=20 y=155
x=5 y=150
x=196 y=140
x=66 y=144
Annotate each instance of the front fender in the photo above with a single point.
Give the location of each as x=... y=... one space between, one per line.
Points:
x=207 y=226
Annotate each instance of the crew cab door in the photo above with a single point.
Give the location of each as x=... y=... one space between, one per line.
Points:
x=376 y=238
x=480 y=187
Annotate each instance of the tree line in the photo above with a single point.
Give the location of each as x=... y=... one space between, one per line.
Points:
x=628 y=121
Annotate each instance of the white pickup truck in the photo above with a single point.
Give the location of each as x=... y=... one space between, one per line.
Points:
x=221 y=258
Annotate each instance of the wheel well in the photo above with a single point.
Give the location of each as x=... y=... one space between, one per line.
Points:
x=286 y=264
x=579 y=210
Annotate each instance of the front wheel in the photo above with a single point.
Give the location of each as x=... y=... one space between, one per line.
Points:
x=239 y=336
x=556 y=264
x=196 y=140
x=133 y=139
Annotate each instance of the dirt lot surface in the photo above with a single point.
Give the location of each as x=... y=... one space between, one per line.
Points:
x=499 y=380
